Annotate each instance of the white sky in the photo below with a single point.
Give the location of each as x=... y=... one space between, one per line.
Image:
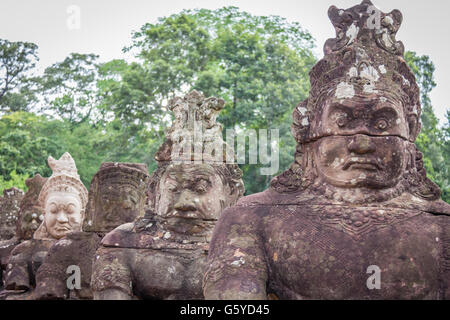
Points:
x=106 y=26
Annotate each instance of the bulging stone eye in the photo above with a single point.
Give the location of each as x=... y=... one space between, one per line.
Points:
x=341 y=121
x=382 y=124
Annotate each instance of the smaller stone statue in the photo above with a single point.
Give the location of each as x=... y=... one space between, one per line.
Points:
x=28 y=220
x=163 y=254
x=9 y=212
x=31 y=214
x=9 y=215
x=117 y=195
x=63 y=199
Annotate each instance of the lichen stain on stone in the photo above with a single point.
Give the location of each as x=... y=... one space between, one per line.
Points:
x=352 y=33
x=345 y=90
x=238 y=253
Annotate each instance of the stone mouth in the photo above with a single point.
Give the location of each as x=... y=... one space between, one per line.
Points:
x=362 y=163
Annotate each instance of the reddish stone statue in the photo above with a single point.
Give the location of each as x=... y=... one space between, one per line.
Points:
x=9 y=212
x=117 y=195
x=355 y=216
x=31 y=214
x=63 y=199
x=9 y=216
x=29 y=217
x=163 y=255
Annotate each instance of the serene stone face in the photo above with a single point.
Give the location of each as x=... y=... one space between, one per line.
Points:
x=365 y=146
x=189 y=193
x=62 y=214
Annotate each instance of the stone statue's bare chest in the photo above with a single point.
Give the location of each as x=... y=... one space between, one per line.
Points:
x=329 y=252
x=160 y=274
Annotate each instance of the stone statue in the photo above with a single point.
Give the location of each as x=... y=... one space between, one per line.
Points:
x=9 y=215
x=355 y=216
x=31 y=214
x=9 y=212
x=28 y=219
x=117 y=195
x=63 y=199
x=163 y=254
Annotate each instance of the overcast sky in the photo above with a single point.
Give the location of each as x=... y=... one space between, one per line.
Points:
x=105 y=26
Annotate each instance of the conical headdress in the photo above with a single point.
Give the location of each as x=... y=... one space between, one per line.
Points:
x=64 y=178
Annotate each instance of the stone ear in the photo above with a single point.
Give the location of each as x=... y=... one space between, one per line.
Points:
x=300 y=122
x=234 y=195
x=414 y=126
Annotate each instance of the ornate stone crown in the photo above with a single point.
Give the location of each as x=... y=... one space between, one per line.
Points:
x=364 y=59
x=64 y=178
x=195 y=135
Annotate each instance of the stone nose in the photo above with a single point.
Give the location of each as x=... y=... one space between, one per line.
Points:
x=185 y=202
x=62 y=217
x=361 y=144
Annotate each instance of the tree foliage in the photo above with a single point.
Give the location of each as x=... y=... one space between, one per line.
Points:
x=432 y=141
x=16 y=85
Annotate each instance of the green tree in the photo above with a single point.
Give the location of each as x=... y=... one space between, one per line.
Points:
x=27 y=141
x=258 y=65
x=69 y=88
x=17 y=59
x=432 y=139
x=17 y=180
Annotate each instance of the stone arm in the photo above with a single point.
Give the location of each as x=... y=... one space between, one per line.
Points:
x=237 y=266
x=51 y=280
x=75 y=250
x=111 y=275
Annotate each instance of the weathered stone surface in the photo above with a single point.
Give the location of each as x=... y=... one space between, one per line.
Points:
x=357 y=194
x=63 y=198
x=31 y=214
x=9 y=216
x=9 y=212
x=75 y=249
x=22 y=265
x=163 y=255
x=6 y=246
x=117 y=195
x=29 y=217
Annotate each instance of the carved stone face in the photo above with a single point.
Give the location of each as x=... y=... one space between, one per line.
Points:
x=118 y=203
x=30 y=223
x=62 y=214
x=365 y=146
x=191 y=192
